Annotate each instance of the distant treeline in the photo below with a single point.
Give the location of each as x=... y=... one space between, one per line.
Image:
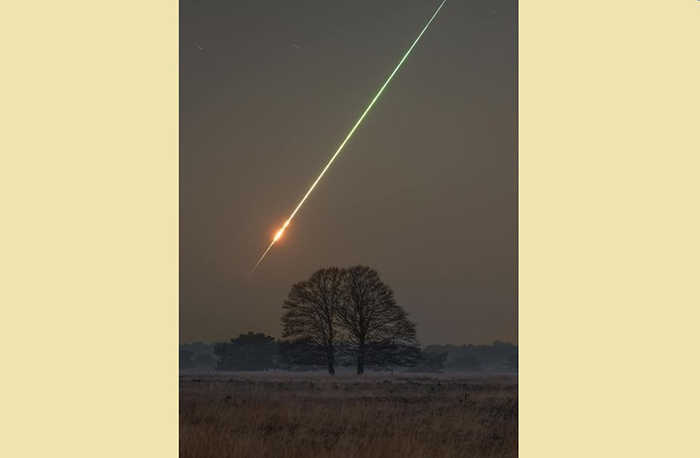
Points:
x=489 y=358
x=261 y=352
x=345 y=317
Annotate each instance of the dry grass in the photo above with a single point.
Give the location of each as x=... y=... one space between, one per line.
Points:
x=314 y=415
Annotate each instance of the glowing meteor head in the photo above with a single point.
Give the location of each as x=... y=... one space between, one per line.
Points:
x=281 y=231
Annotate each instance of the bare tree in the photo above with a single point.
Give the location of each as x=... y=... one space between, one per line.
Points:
x=379 y=331
x=309 y=320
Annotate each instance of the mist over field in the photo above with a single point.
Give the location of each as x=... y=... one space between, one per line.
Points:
x=259 y=352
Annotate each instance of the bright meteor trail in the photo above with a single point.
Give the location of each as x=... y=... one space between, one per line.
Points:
x=369 y=107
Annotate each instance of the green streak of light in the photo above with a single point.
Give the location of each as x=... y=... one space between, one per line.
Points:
x=359 y=121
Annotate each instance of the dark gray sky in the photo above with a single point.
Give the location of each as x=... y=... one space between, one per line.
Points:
x=425 y=191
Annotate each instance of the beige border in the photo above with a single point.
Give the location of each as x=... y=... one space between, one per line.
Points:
x=609 y=244
x=88 y=182
x=609 y=199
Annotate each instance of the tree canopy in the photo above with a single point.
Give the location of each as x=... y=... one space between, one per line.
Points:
x=309 y=322
x=348 y=312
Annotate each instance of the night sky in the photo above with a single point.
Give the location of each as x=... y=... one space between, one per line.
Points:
x=425 y=191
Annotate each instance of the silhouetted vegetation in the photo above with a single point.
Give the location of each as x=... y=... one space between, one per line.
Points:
x=430 y=362
x=378 y=331
x=300 y=356
x=345 y=317
x=186 y=359
x=493 y=358
x=297 y=356
x=197 y=356
x=349 y=313
x=248 y=352
x=309 y=323
x=512 y=363
x=466 y=364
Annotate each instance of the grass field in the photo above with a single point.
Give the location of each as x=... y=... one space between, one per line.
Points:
x=284 y=415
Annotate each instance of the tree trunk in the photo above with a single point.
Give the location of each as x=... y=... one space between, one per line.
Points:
x=331 y=365
x=361 y=360
x=331 y=361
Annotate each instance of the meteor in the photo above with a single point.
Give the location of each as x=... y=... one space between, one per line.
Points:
x=352 y=131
